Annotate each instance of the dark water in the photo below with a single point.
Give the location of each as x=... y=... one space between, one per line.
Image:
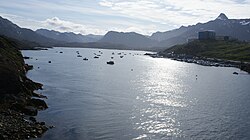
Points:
x=139 y=97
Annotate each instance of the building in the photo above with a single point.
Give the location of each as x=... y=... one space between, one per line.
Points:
x=225 y=38
x=207 y=35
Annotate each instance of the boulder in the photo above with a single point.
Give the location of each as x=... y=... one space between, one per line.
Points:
x=38 y=103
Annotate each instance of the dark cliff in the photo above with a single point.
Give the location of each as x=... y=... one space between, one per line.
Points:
x=16 y=95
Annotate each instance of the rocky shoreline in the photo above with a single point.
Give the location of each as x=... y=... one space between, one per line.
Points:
x=204 y=61
x=19 y=104
x=15 y=126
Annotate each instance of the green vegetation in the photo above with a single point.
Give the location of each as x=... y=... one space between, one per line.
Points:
x=228 y=50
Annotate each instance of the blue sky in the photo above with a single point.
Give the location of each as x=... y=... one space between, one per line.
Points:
x=100 y=16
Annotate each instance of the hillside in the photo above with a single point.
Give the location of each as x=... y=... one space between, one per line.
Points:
x=232 y=53
x=24 y=45
x=229 y=50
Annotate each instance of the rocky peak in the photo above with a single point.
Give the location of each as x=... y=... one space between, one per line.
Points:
x=222 y=16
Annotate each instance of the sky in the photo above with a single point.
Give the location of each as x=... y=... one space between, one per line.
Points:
x=101 y=16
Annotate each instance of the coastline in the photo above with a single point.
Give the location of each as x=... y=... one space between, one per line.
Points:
x=204 y=61
x=19 y=104
x=218 y=53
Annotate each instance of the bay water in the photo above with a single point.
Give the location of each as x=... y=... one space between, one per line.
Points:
x=138 y=97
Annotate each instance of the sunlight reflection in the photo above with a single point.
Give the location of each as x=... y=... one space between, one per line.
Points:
x=162 y=96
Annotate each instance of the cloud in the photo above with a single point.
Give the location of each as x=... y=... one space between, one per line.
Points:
x=21 y=21
x=177 y=12
x=66 y=26
x=146 y=30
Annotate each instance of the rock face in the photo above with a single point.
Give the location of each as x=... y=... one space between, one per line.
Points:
x=16 y=95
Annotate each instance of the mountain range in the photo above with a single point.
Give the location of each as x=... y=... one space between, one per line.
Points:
x=68 y=36
x=42 y=36
x=236 y=28
x=132 y=40
x=11 y=30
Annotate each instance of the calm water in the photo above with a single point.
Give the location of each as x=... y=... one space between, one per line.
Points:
x=139 y=97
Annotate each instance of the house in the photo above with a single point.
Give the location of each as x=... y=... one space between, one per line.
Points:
x=225 y=38
x=207 y=35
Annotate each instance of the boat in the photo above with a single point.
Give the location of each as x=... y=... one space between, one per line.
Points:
x=96 y=57
x=236 y=73
x=111 y=62
x=79 y=56
x=85 y=59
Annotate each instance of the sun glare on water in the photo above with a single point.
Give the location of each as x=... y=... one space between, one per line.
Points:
x=163 y=96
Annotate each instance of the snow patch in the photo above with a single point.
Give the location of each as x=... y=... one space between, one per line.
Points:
x=244 y=22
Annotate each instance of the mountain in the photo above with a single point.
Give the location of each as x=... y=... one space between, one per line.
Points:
x=131 y=40
x=9 y=29
x=236 y=28
x=222 y=16
x=68 y=36
x=160 y=36
x=96 y=37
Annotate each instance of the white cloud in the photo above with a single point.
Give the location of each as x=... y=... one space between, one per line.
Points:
x=146 y=30
x=23 y=22
x=177 y=12
x=66 y=26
